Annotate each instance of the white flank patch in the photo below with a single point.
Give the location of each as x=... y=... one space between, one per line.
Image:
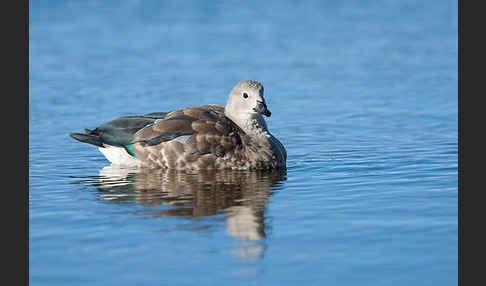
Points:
x=119 y=156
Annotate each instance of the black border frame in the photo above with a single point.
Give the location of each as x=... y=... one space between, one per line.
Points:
x=17 y=29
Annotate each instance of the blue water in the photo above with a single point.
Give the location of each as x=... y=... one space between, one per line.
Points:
x=363 y=95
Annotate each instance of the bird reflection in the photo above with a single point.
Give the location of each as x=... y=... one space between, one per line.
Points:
x=241 y=196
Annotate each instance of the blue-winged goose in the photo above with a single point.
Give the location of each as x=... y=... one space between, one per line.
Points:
x=198 y=137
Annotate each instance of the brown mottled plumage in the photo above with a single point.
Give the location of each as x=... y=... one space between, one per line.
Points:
x=198 y=137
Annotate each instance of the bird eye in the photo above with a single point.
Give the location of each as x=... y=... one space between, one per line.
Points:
x=245 y=95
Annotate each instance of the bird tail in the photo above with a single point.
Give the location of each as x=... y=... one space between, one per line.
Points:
x=88 y=138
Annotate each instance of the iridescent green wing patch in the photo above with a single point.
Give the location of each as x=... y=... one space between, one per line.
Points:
x=129 y=149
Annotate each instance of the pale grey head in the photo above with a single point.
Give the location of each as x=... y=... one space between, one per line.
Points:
x=246 y=103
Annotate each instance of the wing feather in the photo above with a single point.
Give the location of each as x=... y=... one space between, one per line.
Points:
x=205 y=128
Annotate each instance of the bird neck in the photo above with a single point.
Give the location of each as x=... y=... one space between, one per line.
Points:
x=252 y=123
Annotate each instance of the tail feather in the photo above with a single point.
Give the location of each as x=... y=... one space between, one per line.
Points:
x=117 y=132
x=86 y=138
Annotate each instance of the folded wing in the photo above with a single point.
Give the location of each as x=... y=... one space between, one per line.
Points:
x=195 y=131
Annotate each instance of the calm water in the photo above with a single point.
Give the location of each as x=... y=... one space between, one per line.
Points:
x=363 y=95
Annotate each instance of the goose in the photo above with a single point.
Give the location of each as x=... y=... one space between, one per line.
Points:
x=209 y=136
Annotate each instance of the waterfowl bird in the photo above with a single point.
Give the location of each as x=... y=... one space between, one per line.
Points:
x=199 y=137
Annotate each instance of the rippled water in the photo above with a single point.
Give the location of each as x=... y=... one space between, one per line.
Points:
x=363 y=95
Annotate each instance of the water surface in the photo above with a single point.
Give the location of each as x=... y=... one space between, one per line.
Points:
x=363 y=95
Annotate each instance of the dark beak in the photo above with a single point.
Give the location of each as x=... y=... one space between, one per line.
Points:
x=262 y=108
